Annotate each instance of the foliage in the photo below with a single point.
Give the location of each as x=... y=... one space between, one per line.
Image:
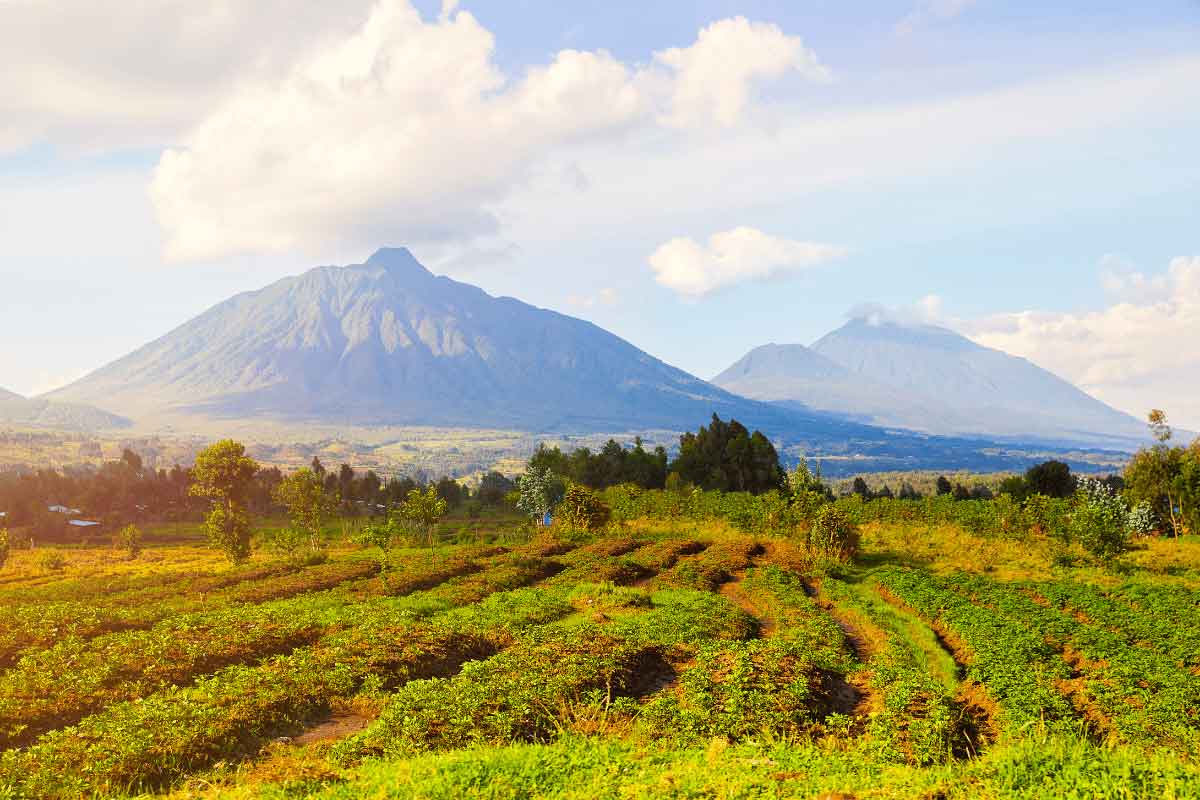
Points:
x=1050 y=478
x=612 y=465
x=223 y=474
x=5 y=546
x=51 y=561
x=725 y=456
x=308 y=503
x=833 y=533
x=492 y=488
x=228 y=529
x=422 y=510
x=582 y=509
x=129 y=539
x=540 y=490
x=381 y=535
x=1100 y=521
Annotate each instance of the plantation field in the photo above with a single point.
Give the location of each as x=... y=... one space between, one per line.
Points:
x=660 y=658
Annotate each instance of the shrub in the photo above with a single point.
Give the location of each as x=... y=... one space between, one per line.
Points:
x=4 y=546
x=1100 y=521
x=1142 y=519
x=833 y=533
x=129 y=539
x=582 y=509
x=51 y=561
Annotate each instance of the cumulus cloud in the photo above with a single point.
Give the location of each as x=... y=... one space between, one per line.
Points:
x=406 y=130
x=96 y=75
x=734 y=256
x=713 y=76
x=1138 y=352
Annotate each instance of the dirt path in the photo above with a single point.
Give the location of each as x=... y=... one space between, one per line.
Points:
x=336 y=726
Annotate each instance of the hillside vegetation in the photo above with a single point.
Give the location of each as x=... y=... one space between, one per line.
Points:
x=692 y=645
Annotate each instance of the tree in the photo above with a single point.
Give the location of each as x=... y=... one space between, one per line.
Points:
x=1155 y=475
x=422 y=510
x=540 y=490
x=1157 y=420
x=492 y=488
x=943 y=485
x=223 y=474
x=1015 y=487
x=1050 y=478
x=451 y=491
x=308 y=504
x=5 y=546
x=725 y=456
x=861 y=489
x=129 y=539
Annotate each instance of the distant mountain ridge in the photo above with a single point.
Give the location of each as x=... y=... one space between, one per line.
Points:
x=389 y=343
x=36 y=412
x=928 y=378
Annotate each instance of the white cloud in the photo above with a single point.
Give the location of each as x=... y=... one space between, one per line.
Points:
x=926 y=311
x=731 y=257
x=1138 y=353
x=713 y=76
x=407 y=131
x=109 y=74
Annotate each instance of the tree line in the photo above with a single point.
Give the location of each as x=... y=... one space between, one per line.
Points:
x=125 y=491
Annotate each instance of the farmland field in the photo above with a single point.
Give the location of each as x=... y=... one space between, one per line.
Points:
x=660 y=658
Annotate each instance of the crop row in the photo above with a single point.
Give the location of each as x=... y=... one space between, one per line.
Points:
x=1147 y=625
x=1013 y=661
x=394 y=640
x=550 y=678
x=142 y=586
x=714 y=566
x=1136 y=692
x=741 y=687
x=780 y=596
x=916 y=717
x=76 y=677
x=29 y=628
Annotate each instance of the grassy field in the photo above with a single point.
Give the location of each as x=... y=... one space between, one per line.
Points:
x=655 y=660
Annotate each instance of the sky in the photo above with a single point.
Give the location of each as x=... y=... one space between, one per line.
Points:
x=699 y=178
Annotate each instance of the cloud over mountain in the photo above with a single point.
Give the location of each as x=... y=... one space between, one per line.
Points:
x=1140 y=350
x=408 y=126
x=731 y=257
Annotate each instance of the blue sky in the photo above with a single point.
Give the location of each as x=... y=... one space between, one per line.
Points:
x=700 y=178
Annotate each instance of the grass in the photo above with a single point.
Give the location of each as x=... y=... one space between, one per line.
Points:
x=659 y=659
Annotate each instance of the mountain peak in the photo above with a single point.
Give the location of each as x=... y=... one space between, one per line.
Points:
x=397 y=260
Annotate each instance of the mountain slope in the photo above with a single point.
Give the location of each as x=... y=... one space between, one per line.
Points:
x=18 y=410
x=929 y=379
x=389 y=343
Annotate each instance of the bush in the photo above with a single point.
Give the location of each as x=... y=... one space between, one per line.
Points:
x=1142 y=520
x=582 y=509
x=51 y=561
x=833 y=533
x=1100 y=521
x=4 y=546
x=129 y=539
